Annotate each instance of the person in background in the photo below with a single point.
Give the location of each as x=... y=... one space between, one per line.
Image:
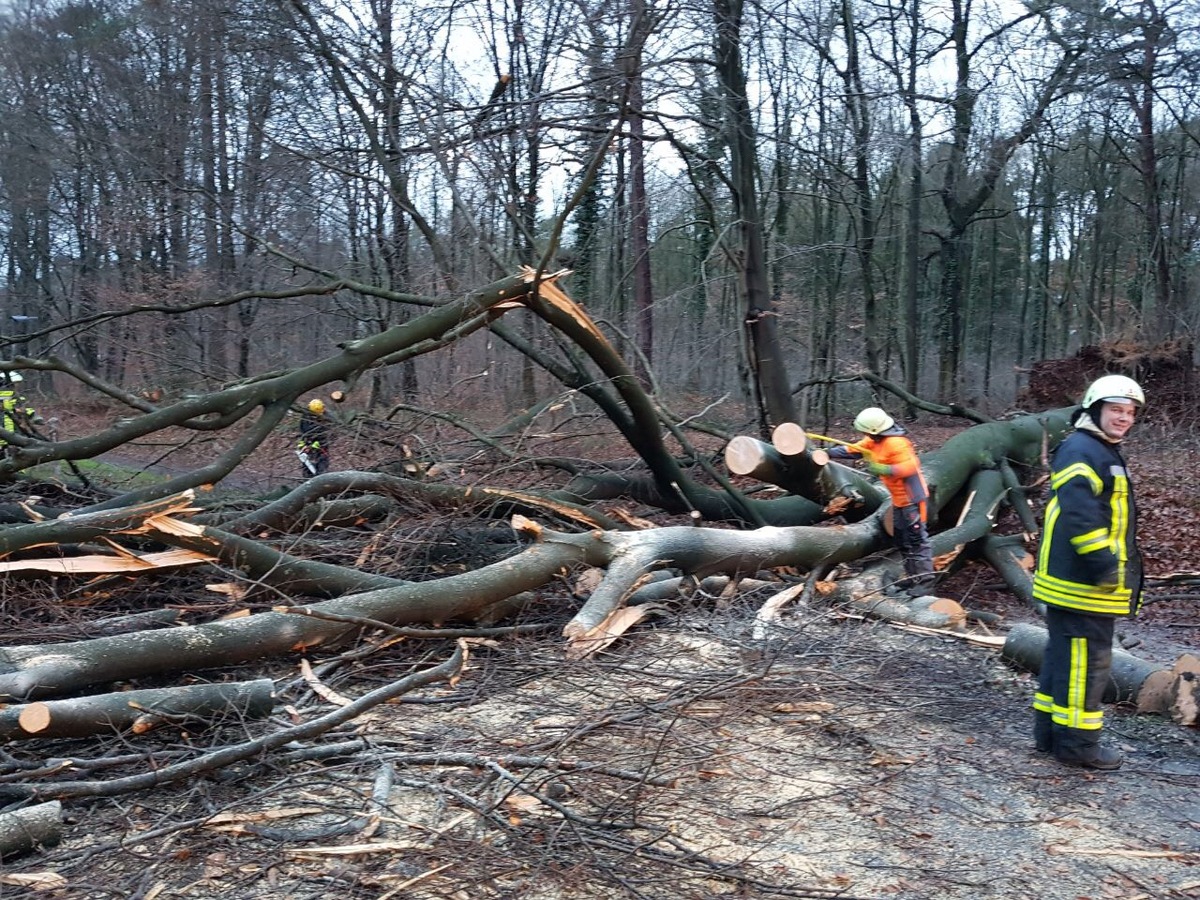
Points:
x=1089 y=571
x=15 y=412
x=891 y=456
x=312 y=445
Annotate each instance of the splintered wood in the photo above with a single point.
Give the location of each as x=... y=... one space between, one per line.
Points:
x=96 y=564
x=1174 y=692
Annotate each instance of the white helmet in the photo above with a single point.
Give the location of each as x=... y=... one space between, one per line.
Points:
x=1113 y=389
x=873 y=420
x=14 y=377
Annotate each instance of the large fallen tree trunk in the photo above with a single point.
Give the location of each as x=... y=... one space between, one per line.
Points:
x=56 y=669
x=838 y=489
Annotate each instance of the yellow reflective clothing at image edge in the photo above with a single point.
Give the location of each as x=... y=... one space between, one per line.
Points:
x=10 y=406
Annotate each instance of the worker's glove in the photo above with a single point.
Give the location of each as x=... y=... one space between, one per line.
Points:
x=1108 y=581
x=878 y=468
x=37 y=420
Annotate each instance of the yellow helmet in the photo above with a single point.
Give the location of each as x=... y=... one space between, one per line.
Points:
x=873 y=421
x=316 y=406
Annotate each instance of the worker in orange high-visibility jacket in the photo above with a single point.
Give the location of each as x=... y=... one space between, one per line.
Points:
x=891 y=456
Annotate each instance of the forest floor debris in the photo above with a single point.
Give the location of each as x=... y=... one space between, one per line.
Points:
x=842 y=758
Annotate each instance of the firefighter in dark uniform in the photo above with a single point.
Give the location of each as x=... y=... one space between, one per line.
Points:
x=1088 y=572
x=891 y=455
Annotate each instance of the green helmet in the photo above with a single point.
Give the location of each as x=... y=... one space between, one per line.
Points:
x=873 y=421
x=1113 y=389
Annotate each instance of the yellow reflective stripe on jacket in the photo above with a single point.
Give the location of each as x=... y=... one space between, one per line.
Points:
x=1092 y=541
x=1081 y=597
x=1120 y=519
x=1078 y=470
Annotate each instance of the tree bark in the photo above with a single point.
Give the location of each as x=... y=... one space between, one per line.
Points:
x=767 y=365
x=39 y=671
x=22 y=830
x=195 y=706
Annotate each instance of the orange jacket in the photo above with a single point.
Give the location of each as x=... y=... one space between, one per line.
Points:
x=906 y=484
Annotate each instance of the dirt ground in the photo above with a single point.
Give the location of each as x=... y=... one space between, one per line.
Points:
x=840 y=758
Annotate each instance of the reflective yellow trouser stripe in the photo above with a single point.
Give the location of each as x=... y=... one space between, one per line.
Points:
x=1074 y=715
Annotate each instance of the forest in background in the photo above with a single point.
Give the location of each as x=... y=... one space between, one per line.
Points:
x=212 y=212
x=752 y=197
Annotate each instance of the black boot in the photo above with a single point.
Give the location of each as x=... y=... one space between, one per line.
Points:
x=1076 y=747
x=910 y=586
x=920 y=585
x=1043 y=731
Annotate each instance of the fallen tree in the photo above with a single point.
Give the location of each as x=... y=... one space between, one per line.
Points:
x=829 y=526
x=964 y=475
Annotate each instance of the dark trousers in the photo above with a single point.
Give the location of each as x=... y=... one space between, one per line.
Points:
x=1075 y=671
x=910 y=535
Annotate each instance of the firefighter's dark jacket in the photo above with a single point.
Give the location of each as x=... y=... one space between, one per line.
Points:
x=1088 y=560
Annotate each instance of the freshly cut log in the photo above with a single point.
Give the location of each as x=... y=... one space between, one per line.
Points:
x=1174 y=692
x=139 y=711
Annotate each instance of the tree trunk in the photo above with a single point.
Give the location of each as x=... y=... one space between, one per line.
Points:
x=791 y=463
x=22 y=830
x=193 y=706
x=767 y=364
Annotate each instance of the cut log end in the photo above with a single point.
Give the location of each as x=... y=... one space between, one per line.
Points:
x=743 y=455
x=34 y=718
x=953 y=611
x=789 y=439
x=1154 y=696
x=1185 y=700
